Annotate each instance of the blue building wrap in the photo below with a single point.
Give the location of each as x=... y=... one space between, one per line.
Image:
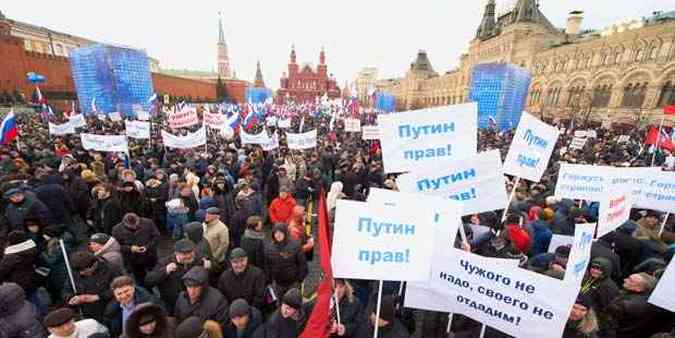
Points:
x=500 y=89
x=114 y=79
x=257 y=95
x=385 y=102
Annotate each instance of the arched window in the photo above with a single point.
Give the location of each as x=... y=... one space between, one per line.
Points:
x=627 y=96
x=601 y=95
x=667 y=96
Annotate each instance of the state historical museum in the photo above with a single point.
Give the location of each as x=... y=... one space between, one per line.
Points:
x=306 y=84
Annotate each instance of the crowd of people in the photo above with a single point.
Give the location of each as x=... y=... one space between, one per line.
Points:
x=219 y=242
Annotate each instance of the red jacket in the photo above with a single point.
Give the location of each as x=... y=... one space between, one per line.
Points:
x=281 y=209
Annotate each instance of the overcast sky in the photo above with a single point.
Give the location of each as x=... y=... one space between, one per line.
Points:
x=355 y=33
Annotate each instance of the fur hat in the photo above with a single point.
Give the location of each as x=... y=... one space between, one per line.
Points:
x=143 y=314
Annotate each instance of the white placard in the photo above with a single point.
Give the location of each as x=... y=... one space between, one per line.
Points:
x=61 y=129
x=658 y=192
x=614 y=209
x=623 y=139
x=578 y=143
x=301 y=141
x=423 y=137
x=591 y=133
x=214 y=120
x=580 y=133
x=137 y=129
x=284 y=123
x=663 y=295
x=531 y=148
x=188 y=141
x=382 y=240
x=580 y=255
x=352 y=125
x=272 y=121
x=587 y=182
x=77 y=120
x=260 y=138
x=185 y=117
x=142 y=115
x=370 y=133
x=115 y=116
x=513 y=300
x=113 y=143
x=476 y=182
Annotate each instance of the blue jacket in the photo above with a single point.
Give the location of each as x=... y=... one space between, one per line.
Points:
x=542 y=237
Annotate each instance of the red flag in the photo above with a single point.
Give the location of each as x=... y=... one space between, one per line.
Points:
x=669 y=109
x=318 y=324
x=664 y=142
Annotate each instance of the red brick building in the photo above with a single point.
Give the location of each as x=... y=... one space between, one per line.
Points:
x=304 y=83
x=59 y=89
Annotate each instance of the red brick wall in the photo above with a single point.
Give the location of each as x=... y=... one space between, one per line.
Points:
x=15 y=62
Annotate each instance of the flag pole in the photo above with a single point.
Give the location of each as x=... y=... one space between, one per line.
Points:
x=658 y=141
x=663 y=224
x=449 y=329
x=337 y=307
x=482 y=331
x=513 y=192
x=377 y=311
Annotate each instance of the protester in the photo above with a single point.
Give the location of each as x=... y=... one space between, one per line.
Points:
x=168 y=274
x=244 y=320
x=285 y=264
x=18 y=317
x=148 y=320
x=287 y=321
x=243 y=281
x=389 y=326
x=92 y=276
x=217 y=234
x=281 y=208
x=200 y=300
x=138 y=242
x=253 y=241
x=195 y=327
x=107 y=247
x=582 y=322
x=128 y=296
x=61 y=324
x=350 y=310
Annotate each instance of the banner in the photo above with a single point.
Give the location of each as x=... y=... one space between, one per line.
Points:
x=623 y=139
x=513 y=300
x=531 y=148
x=61 y=129
x=301 y=141
x=424 y=137
x=476 y=182
x=370 y=133
x=658 y=192
x=114 y=143
x=352 y=125
x=137 y=129
x=191 y=140
x=272 y=143
x=588 y=182
x=578 y=143
x=77 y=121
x=382 y=240
x=142 y=115
x=663 y=295
x=284 y=123
x=183 y=118
x=614 y=209
x=272 y=121
x=260 y=138
x=214 y=120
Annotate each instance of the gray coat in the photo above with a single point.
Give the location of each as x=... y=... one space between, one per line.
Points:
x=18 y=317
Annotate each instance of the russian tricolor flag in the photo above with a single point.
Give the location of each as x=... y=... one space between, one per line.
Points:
x=8 y=129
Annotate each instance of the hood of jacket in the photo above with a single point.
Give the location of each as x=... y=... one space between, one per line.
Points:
x=132 y=327
x=194 y=231
x=12 y=297
x=605 y=265
x=199 y=274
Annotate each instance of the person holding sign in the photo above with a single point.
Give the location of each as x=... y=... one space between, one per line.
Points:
x=582 y=322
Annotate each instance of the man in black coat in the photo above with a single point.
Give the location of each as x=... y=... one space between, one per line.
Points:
x=138 y=239
x=253 y=241
x=127 y=297
x=287 y=321
x=389 y=326
x=244 y=320
x=92 y=276
x=22 y=206
x=167 y=275
x=243 y=280
x=108 y=211
x=18 y=318
x=57 y=198
x=201 y=300
x=285 y=264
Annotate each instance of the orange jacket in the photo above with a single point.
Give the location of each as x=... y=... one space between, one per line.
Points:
x=280 y=210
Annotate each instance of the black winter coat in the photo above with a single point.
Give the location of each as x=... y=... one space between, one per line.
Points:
x=31 y=207
x=254 y=244
x=212 y=305
x=146 y=235
x=169 y=285
x=279 y=327
x=96 y=284
x=57 y=199
x=18 y=317
x=249 y=285
x=394 y=330
x=107 y=214
x=350 y=315
x=285 y=262
x=18 y=265
x=632 y=316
